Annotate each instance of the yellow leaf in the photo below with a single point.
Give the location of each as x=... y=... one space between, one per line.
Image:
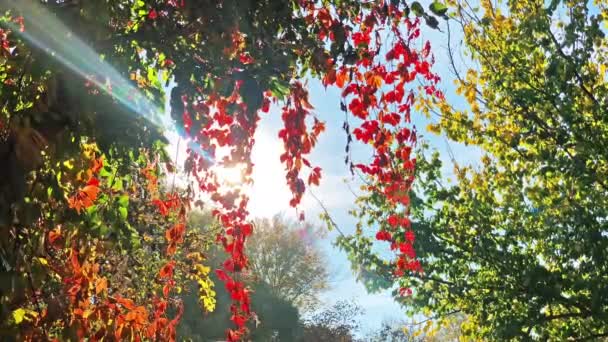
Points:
x=69 y=164
x=19 y=315
x=433 y=128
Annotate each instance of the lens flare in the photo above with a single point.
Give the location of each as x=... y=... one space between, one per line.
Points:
x=60 y=43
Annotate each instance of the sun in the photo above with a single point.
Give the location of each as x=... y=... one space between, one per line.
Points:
x=231 y=176
x=269 y=194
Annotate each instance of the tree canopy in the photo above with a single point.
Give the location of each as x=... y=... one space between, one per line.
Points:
x=95 y=237
x=284 y=256
x=517 y=242
x=87 y=182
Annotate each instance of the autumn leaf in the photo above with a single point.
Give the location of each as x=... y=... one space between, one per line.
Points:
x=85 y=197
x=97 y=165
x=167 y=270
x=341 y=78
x=100 y=285
x=54 y=236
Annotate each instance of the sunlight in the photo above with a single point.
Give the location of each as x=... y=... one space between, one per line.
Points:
x=60 y=43
x=269 y=194
x=230 y=176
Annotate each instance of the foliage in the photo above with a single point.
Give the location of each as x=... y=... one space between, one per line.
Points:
x=62 y=267
x=230 y=59
x=518 y=242
x=275 y=317
x=336 y=323
x=283 y=255
x=391 y=332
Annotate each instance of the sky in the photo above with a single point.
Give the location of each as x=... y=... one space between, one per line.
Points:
x=270 y=195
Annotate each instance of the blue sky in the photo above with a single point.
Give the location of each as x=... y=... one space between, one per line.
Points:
x=270 y=194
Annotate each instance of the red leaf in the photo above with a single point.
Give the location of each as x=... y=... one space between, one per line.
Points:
x=75 y=262
x=167 y=270
x=409 y=236
x=152 y=15
x=393 y=220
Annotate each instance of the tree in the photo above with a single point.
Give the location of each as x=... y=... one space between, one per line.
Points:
x=391 y=332
x=276 y=318
x=337 y=323
x=283 y=255
x=429 y=330
x=89 y=71
x=518 y=242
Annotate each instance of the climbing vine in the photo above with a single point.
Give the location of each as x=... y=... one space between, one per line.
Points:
x=231 y=61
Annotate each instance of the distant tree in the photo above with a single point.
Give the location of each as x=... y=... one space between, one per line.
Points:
x=429 y=330
x=283 y=255
x=337 y=323
x=448 y=329
x=392 y=331
x=277 y=319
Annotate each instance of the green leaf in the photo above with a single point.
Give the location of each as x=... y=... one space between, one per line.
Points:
x=438 y=8
x=417 y=9
x=118 y=186
x=123 y=212
x=278 y=89
x=104 y=172
x=123 y=201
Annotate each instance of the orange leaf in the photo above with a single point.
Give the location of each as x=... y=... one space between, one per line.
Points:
x=341 y=78
x=127 y=303
x=97 y=165
x=91 y=191
x=131 y=316
x=84 y=198
x=75 y=203
x=318 y=127
x=100 y=285
x=166 y=290
x=374 y=80
x=75 y=262
x=167 y=270
x=54 y=235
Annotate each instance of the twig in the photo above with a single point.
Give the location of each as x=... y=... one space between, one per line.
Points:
x=434 y=318
x=329 y=218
